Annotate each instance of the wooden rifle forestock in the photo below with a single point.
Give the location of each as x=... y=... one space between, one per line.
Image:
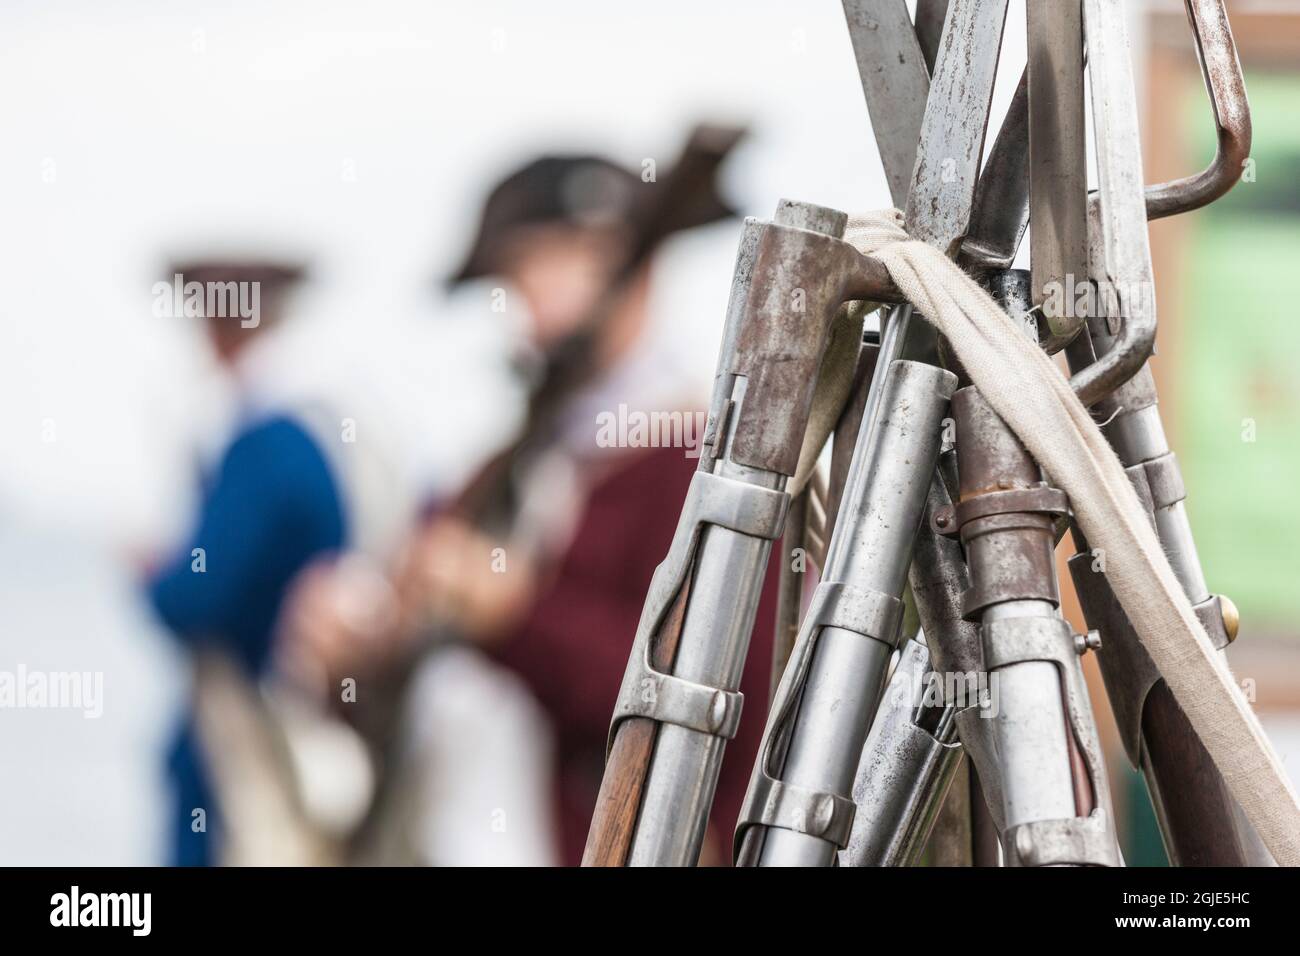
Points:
x=613 y=824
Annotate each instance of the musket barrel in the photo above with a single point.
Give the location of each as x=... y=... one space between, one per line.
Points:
x=679 y=702
x=844 y=652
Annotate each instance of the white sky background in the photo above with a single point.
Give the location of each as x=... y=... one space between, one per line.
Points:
x=170 y=127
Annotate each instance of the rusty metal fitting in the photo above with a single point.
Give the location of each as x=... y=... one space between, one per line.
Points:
x=1006 y=514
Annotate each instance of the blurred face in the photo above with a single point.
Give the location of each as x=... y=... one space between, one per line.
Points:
x=561 y=271
x=228 y=339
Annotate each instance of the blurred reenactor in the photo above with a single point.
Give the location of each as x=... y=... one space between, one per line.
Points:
x=289 y=488
x=545 y=559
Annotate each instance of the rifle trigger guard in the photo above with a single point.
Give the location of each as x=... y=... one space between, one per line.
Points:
x=647 y=692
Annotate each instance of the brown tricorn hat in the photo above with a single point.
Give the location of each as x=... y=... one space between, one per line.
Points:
x=272 y=275
x=590 y=190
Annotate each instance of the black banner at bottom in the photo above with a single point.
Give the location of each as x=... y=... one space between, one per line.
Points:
x=335 y=906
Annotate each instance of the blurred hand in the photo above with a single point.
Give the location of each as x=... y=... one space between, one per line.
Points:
x=455 y=575
x=342 y=616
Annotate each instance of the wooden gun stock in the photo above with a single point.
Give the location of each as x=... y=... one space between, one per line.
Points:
x=1190 y=796
x=613 y=824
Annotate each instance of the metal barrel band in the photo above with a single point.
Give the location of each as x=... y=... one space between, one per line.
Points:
x=1137 y=476
x=1016 y=640
x=1009 y=521
x=1074 y=841
x=1044 y=500
x=647 y=692
x=1165 y=480
x=870 y=613
x=672 y=700
x=1210 y=613
x=785 y=806
x=736 y=505
x=1013 y=581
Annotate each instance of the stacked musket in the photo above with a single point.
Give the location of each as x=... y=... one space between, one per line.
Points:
x=929 y=487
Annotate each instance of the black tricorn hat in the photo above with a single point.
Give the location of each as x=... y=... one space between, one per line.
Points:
x=590 y=190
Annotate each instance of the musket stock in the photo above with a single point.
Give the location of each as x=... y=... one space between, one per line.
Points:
x=678 y=704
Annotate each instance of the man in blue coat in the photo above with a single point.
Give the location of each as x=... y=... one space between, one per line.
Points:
x=272 y=505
